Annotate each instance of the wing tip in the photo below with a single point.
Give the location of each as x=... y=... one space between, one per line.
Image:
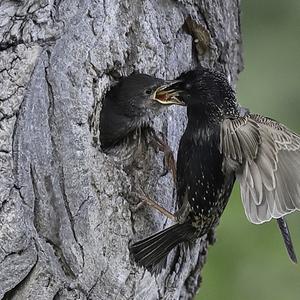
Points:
x=285 y=232
x=294 y=259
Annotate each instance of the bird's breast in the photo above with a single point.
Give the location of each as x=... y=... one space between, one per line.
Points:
x=208 y=187
x=202 y=136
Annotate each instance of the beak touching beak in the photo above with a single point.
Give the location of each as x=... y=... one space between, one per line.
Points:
x=167 y=95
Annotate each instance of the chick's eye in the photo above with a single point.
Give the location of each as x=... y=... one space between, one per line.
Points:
x=148 y=91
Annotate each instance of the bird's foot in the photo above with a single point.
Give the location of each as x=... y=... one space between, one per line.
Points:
x=161 y=144
x=148 y=201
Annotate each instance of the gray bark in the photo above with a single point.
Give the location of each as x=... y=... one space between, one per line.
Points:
x=65 y=219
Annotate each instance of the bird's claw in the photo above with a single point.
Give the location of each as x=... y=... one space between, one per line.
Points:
x=169 y=163
x=146 y=200
x=161 y=143
x=134 y=207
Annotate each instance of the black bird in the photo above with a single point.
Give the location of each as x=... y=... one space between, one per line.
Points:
x=128 y=109
x=222 y=142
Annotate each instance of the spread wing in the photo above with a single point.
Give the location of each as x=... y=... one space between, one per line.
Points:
x=266 y=158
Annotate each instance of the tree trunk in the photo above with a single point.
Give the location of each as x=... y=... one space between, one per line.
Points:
x=65 y=214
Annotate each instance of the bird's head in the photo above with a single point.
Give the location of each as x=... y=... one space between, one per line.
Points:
x=131 y=104
x=140 y=92
x=201 y=88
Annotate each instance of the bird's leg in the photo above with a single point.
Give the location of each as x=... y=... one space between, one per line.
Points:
x=161 y=144
x=145 y=199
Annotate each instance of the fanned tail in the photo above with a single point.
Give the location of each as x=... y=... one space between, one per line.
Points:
x=284 y=229
x=152 y=251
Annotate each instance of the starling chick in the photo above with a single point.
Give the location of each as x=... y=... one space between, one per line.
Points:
x=129 y=108
x=223 y=142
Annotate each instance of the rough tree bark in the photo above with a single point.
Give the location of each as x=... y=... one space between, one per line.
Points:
x=65 y=219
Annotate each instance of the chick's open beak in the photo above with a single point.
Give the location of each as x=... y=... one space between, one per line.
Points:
x=167 y=94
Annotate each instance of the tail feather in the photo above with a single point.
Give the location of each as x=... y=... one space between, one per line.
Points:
x=285 y=232
x=151 y=251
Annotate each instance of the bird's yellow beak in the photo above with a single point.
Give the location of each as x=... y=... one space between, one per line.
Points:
x=167 y=95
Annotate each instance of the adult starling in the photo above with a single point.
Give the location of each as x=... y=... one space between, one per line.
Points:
x=223 y=142
x=128 y=109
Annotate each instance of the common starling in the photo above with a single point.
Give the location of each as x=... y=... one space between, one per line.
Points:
x=222 y=142
x=128 y=109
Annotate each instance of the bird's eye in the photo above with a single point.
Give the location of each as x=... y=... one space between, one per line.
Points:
x=148 y=91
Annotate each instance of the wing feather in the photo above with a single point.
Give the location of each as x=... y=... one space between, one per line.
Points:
x=266 y=158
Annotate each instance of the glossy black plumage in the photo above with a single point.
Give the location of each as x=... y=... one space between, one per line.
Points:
x=223 y=142
x=203 y=188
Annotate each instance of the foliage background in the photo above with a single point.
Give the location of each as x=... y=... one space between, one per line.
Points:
x=249 y=261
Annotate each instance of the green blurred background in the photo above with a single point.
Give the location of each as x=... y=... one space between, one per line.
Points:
x=249 y=261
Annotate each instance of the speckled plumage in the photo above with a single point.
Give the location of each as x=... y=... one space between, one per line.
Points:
x=223 y=141
x=200 y=175
x=202 y=186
